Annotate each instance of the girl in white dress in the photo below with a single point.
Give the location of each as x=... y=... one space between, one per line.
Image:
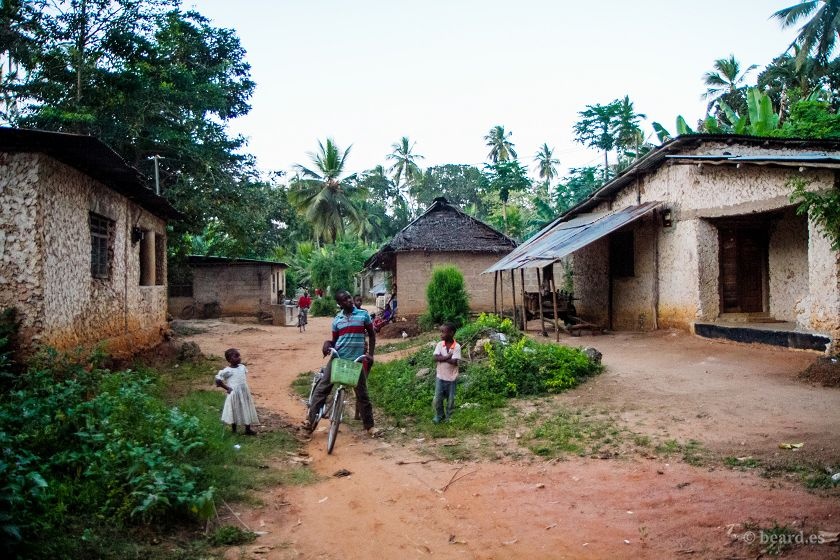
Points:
x=239 y=406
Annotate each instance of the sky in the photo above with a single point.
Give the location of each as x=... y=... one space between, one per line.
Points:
x=443 y=72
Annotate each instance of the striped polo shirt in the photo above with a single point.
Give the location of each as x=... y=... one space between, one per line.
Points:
x=351 y=333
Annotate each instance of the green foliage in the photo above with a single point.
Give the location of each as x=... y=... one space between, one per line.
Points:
x=323 y=307
x=483 y=326
x=447 y=297
x=80 y=441
x=811 y=119
x=461 y=185
x=577 y=185
x=821 y=207
x=523 y=368
x=335 y=266
x=531 y=368
x=230 y=535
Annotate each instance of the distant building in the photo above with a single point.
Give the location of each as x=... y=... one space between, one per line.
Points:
x=82 y=244
x=701 y=234
x=223 y=286
x=443 y=235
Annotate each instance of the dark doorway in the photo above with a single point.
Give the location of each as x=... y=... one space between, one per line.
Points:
x=743 y=269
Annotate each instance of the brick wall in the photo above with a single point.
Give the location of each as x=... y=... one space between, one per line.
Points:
x=238 y=289
x=414 y=270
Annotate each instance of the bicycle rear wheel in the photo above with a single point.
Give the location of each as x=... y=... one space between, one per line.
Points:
x=335 y=419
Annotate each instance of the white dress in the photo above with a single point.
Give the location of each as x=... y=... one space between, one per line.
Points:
x=239 y=406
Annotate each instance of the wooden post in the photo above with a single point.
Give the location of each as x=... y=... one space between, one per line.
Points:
x=540 y=302
x=502 y=293
x=495 y=295
x=556 y=316
x=524 y=303
x=513 y=293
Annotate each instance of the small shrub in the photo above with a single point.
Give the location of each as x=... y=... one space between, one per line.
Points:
x=231 y=536
x=446 y=297
x=323 y=307
x=485 y=324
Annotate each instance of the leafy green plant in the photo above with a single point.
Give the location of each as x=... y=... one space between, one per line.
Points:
x=821 y=207
x=485 y=324
x=447 y=297
x=323 y=307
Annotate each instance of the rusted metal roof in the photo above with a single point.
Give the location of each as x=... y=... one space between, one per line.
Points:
x=653 y=160
x=210 y=260
x=92 y=157
x=563 y=238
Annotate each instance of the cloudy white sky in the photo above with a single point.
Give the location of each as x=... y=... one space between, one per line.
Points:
x=444 y=71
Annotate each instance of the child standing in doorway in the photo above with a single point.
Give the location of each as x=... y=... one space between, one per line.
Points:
x=239 y=406
x=447 y=355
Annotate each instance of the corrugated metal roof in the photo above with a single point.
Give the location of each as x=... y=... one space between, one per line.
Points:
x=207 y=260
x=768 y=159
x=564 y=238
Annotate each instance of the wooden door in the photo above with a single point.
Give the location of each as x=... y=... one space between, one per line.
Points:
x=743 y=269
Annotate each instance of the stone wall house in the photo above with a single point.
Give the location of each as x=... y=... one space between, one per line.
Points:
x=82 y=244
x=229 y=287
x=443 y=235
x=701 y=234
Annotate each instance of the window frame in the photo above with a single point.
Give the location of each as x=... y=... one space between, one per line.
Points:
x=101 y=229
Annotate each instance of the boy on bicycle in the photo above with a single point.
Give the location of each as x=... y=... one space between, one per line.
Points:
x=304 y=303
x=348 y=339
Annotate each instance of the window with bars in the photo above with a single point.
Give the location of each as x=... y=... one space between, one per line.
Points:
x=101 y=242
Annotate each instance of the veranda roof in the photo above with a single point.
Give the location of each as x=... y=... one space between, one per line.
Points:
x=562 y=238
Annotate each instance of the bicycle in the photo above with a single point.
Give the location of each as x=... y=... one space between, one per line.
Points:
x=302 y=320
x=333 y=410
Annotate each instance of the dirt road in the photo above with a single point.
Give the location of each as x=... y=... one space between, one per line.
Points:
x=722 y=394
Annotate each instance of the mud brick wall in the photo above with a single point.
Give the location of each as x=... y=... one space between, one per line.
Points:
x=62 y=304
x=804 y=272
x=239 y=290
x=414 y=270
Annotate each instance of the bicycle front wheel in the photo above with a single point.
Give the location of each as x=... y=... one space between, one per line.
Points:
x=335 y=419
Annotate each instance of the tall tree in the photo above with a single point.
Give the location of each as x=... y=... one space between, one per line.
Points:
x=726 y=82
x=628 y=133
x=501 y=148
x=546 y=164
x=819 y=34
x=404 y=168
x=596 y=129
x=506 y=177
x=323 y=195
x=462 y=185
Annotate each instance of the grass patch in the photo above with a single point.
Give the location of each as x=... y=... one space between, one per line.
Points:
x=230 y=536
x=302 y=384
x=691 y=452
x=181 y=328
x=575 y=432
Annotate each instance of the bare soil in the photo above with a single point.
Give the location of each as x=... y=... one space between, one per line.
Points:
x=735 y=399
x=825 y=371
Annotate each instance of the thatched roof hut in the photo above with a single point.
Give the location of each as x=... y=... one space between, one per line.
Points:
x=444 y=234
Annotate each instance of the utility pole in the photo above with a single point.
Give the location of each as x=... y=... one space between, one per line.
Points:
x=157 y=173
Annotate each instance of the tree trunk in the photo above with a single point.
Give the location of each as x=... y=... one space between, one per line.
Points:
x=606 y=166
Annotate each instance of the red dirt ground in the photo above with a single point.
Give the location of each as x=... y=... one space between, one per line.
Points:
x=728 y=396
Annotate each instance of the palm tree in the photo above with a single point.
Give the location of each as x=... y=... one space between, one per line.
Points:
x=501 y=148
x=820 y=33
x=725 y=81
x=322 y=194
x=404 y=170
x=546 y=164
x=596 y=129
x=628 y=133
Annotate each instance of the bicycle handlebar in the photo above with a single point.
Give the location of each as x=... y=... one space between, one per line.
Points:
x=334 y=354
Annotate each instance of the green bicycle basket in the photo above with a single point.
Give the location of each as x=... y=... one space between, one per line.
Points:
x=346 y=372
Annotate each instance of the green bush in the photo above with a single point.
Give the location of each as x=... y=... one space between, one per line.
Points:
x=523 y=368
x=446 y=297
x=323 y=307
x=82 y=443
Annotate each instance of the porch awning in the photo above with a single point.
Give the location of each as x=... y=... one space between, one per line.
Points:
x=564 y=238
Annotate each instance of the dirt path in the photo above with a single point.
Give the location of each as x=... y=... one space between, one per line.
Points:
x=578 y=508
